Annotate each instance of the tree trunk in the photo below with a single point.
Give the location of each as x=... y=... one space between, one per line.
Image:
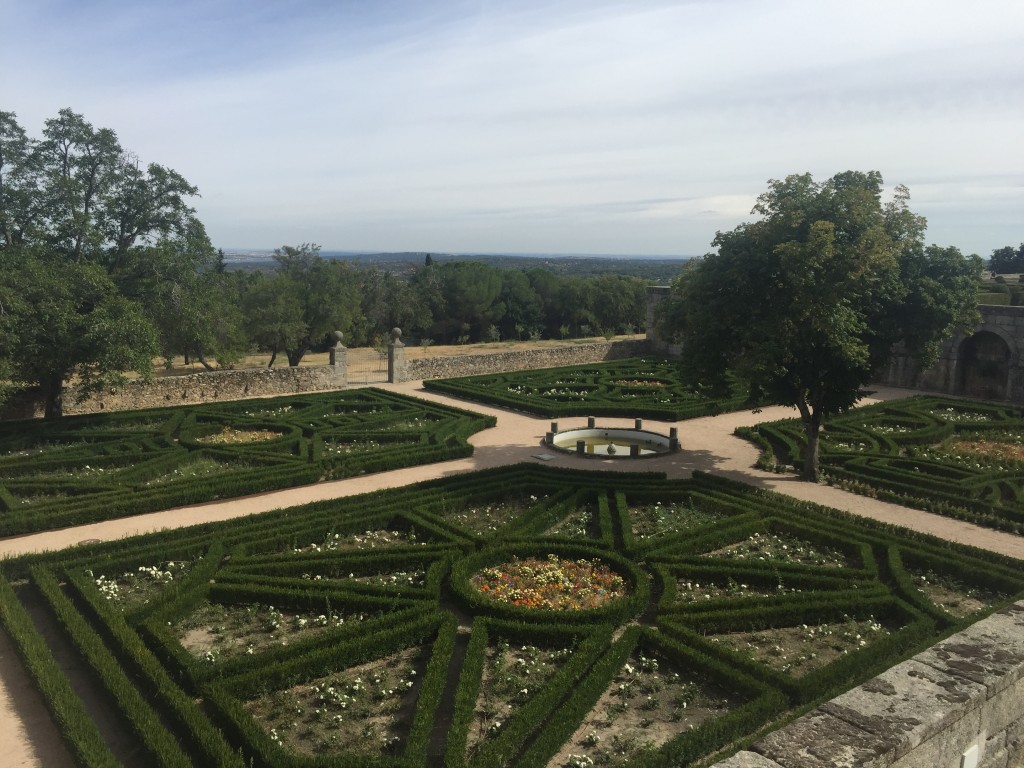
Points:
x=273 y=357
x=294 y=358
x=810 y=415
x=811 y=468
x=202 y=359
x=53 y=394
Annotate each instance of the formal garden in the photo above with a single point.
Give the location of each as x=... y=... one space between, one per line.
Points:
x=522 y=616
x=959 y=458
x=80 y=469
x=652 y=388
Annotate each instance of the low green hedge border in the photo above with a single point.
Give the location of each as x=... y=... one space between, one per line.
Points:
x=265 y=560
x=82 y=469
x=882 y=450
x=647 y=388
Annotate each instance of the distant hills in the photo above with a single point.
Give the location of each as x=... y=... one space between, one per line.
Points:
x=656 y=269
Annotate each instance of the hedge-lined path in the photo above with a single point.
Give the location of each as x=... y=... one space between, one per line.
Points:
x=27 y=739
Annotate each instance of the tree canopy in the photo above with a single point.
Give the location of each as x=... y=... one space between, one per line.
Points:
x=85 y=232
x=807 y=302
x=1007 y=259
x=305 y=299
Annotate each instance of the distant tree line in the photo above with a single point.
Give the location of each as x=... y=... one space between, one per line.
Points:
x=104 y=266
x=1007 y=259
x=293 y=308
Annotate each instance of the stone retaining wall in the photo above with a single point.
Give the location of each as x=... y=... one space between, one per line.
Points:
x=213 y=386
x=210 y=386
x=520 y=360
x=987 y=362
x=959 y=704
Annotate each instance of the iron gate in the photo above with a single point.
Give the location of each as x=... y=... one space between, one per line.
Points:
x=367 y=365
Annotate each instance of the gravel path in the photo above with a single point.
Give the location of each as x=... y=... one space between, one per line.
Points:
x=27 y=739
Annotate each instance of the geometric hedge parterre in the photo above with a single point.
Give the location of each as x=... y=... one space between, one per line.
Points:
x=353 y=633
x=81 y=469
x=958 y=458
x=641 y=388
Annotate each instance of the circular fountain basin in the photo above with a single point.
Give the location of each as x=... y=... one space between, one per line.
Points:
x=610 y=442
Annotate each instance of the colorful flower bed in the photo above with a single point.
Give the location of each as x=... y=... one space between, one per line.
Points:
x=552 y=583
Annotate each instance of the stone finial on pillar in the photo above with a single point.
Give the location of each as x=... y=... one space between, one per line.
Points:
x=338 y=357
x=397 y=366
x=337 y=348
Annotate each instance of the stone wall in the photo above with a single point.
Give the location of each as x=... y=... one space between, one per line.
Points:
x=213 y=386
x=210 y=386
x=987 y=362
x=959 y=704
x=520 y=360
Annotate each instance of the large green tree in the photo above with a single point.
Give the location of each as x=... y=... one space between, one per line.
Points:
x=80 y=220
x=808 y=301
x=386 y=301
x=464 y=298
x=191 y=301
x=1007 y=259
x=295 y=308
x=64 y=317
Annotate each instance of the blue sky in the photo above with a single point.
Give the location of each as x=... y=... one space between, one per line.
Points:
x=573 y=126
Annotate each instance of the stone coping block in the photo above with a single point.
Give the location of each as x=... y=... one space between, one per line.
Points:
x=822 y=740
x=990 y=652
x=747 y=760
x=906 y=705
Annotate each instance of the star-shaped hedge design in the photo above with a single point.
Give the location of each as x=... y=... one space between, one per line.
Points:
x=354 y=632
x=86 y=468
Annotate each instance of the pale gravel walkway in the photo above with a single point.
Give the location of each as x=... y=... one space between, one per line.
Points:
x=708 y=444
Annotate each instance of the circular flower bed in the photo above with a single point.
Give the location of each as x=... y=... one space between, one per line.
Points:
x=551 y=583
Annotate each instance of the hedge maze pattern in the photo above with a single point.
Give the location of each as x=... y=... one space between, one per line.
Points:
x=640 y=388
x=958 y=458
x=347 y=633
x=86 y=468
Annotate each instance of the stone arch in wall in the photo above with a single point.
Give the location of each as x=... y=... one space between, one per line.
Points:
x=984 y=360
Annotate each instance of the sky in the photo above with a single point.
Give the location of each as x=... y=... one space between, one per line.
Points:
x=557 y=126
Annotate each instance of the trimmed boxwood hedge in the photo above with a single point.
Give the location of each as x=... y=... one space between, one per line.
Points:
x=81 y=469
x=80 y=734
x=896 y=451
x=648 y=388
x=300 y=560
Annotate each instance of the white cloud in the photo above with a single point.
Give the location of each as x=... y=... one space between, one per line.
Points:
x=557 y=126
